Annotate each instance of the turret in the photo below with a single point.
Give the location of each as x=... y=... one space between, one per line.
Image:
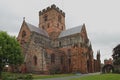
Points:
x=98 y=55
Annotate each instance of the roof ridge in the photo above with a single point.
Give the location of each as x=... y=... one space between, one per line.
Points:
x=71 y=31
x=74 y=27
x=36 y=29
x=30 y=24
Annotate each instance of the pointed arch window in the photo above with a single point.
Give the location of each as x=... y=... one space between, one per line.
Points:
x=69 y=62
x=60 y=44
x=61 y=59
x=35 y=60
x=69 y=57
x=23 y=34
x=52 y=58
x=45 y=17
x=69 y=53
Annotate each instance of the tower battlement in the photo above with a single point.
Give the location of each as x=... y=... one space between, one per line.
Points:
x=52 y=7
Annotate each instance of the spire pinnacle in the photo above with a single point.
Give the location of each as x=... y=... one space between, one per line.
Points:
x=98 y=52
x=23 y=18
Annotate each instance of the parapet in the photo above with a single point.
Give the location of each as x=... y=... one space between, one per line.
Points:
x=51 y=7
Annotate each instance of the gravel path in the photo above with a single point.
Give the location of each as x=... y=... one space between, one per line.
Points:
x=69 y=77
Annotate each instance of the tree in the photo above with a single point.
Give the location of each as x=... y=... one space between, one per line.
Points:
x=10 y=51
x=116 y=55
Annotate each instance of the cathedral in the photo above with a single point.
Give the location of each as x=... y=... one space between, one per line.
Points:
x=51 y=48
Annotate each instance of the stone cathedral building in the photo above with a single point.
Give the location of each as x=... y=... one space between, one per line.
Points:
x=51 y=48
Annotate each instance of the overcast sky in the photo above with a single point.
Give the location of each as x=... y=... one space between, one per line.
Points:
x=101 y=17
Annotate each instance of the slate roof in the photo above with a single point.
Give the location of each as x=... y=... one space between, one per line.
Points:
x=71 y=31
x=36 y=29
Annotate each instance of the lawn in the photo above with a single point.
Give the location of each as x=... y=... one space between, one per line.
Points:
x=91 y=77
x=51 y=76
x=35 y=76
x=100 y=77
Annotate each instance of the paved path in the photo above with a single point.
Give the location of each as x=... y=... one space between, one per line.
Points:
x=69 y=77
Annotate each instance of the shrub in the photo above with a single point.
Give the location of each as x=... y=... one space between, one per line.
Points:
x=11 y=76
x=21 y=77
x=117 y=70
x=29 y=77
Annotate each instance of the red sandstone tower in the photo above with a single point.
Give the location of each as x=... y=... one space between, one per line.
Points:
x=52 y=20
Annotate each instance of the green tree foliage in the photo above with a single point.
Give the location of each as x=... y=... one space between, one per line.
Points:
x=116 y=55
x=10 y=51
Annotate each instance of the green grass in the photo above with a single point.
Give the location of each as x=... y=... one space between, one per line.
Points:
x=12 y=74
x=51 y=76
x=91 y=77
x=100 y=77
x=35 y=76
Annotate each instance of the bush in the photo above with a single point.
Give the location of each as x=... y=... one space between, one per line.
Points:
x=29 y=77
x=9 y=77
x=117 y=71
x=26 y=77
x=21 y=77
x=6 y=76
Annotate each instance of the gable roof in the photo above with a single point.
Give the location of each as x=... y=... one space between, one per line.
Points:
x=36 y=29
x=71 y=31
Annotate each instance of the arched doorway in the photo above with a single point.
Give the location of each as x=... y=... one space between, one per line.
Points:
x=107 y=68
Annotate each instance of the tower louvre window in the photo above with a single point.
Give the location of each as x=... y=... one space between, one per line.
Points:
x=59 y=18
x=48 y=25
x=45 y=17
